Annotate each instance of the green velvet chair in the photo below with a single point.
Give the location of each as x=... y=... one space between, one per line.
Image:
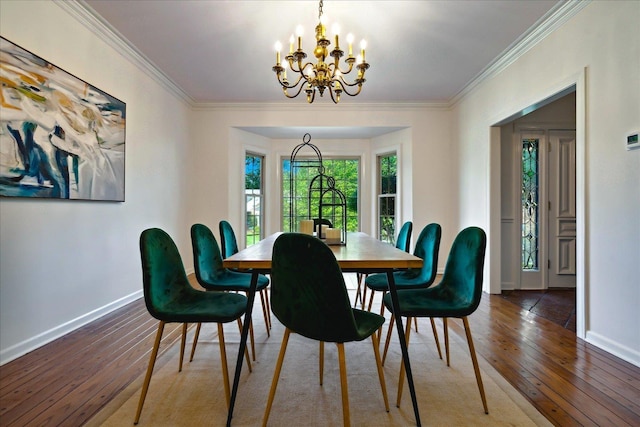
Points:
x=403 y=242
x=427 y=248
x=212 y=276
x=309 y=297
x=170 y=298
x=457 y=295
x=229 y=246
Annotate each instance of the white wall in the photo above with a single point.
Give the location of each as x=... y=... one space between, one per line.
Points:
x=64 y=263
x=424 y=146
x=599 y=49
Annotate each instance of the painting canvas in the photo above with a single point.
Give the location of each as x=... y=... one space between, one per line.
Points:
x=60 y=137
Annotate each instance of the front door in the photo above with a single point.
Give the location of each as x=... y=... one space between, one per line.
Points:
x=561 y=242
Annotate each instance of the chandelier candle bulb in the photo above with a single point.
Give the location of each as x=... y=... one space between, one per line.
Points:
x=291 y=40
x=278 y=49
x=350 y=41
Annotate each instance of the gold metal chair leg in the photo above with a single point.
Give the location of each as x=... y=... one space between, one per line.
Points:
x=383 y=385
x=197 y=336
x=266 y=296
x=223 y=362
x=183 y=341
x=276 y=376
x=147 y=378
x=435 y=336
x=321 y=362
x=476 y=368
x=264 y=313
x=371 y=300
x=381 y=314
x=343 y=385
x=195 y=341
x=401 y=376
x=253 y=343
x=364 y=292
x=388 y=340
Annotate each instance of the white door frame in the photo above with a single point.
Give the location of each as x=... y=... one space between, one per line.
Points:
x=577 y=83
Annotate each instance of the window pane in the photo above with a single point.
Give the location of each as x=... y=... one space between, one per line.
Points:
x=530 y=205
x=305 y=205
x=388 y=174
x=387 y=178
x=253 y=198
x=387 y=218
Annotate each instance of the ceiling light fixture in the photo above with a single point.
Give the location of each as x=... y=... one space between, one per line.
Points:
x=321 y=75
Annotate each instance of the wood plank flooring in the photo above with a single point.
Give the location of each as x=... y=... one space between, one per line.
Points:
x=569 y=381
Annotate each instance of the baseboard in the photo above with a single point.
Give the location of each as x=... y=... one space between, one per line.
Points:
x=623 y=352
x=20 y=349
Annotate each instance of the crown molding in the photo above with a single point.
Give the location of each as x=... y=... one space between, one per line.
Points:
x=291 y=107
x=84 y=14
x=546 y=25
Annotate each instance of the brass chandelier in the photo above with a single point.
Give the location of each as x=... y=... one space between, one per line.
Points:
x=322 y=75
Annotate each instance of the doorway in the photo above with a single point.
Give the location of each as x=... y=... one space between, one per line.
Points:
x=538 y=199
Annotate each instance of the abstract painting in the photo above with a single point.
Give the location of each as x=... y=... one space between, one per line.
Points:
x=60 y=137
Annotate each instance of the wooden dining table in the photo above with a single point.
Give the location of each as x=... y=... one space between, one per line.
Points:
x=361 y=254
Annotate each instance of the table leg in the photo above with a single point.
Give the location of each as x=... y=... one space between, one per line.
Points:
x=251 y=295
x=403 y=343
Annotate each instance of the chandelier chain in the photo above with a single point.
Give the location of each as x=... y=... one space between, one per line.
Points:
x=320 y=10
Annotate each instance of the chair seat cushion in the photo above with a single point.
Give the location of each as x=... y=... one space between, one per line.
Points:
x=431 y=302
x=232 y=281
x=366 y=323
x=405 y=279
x=199 y=306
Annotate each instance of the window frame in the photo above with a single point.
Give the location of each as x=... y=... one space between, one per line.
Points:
x=260 y=195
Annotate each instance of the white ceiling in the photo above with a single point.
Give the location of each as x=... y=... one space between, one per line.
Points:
x=419 y=51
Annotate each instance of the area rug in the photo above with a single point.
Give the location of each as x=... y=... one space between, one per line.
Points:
x=447 y=396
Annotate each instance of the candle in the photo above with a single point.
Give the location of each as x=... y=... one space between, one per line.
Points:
x=278 y=47
x=333 y=235
x=350 y=41
x=306 y=226
x=323 y=231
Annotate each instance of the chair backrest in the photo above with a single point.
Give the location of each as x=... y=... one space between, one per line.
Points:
x=207 y=258
x=163 y=275
x=308 y=293
x=427 y=248
x=403 y=242
x=463 y=272
x=228 y=239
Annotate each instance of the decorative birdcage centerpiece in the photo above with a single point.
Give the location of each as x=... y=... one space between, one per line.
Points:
x=319 y=208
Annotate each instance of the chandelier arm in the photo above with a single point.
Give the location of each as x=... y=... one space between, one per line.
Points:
x=357 y=82
x=289 y=86
x=346 y=72
x=284 y=89
x=331 y=93
x=344 y=89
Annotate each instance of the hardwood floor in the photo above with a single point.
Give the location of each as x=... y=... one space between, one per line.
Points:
x=571 y=382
